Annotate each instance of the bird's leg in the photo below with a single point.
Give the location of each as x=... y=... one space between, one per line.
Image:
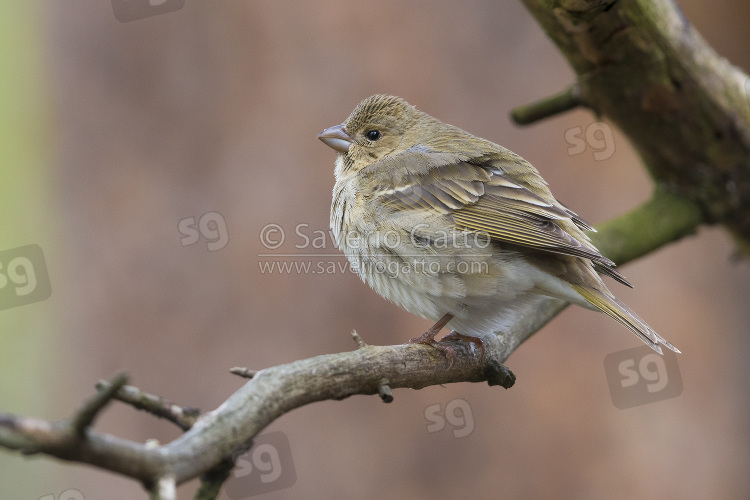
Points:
x=428 y=338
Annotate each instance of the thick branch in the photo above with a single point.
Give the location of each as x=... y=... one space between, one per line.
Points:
x=685 y=108
x=661 y=220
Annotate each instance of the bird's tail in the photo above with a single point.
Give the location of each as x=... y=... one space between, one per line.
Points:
x=614 y=308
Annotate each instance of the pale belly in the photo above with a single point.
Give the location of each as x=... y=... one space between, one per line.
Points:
x=481 y=288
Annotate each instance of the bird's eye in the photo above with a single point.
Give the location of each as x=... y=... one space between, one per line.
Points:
x=373 y=135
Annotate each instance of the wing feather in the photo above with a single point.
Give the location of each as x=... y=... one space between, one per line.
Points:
x=483 y=198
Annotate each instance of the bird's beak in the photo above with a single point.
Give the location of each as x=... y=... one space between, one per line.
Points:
x=336 y=138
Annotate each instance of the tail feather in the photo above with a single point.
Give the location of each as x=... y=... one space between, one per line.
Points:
x=614 y=308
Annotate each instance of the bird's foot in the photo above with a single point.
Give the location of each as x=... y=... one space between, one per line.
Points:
x=428 y=338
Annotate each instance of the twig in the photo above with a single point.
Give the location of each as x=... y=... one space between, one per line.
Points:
x=86 y=415
x=183 y=416
x=386 y=394
x=566 y=100
x=164 y=489
x=360 y=343
x=212 y=480
x=243 y=372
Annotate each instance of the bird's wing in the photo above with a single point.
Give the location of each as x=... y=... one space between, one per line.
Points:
x=482 y=198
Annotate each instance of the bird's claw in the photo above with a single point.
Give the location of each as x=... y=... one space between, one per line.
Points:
x=428 y=338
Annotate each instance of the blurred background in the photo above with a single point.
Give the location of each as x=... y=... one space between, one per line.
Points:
x=155 y=161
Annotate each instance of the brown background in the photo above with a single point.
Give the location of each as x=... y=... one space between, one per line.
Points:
x=216 y=108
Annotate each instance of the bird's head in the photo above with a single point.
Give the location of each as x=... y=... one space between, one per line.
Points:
x=379 y=126
x=384 y=126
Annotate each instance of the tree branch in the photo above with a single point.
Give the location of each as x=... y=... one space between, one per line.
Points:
x=274 y=391
x=228 y=430
x=685 y=109
x=86 y=415
x=566 y=100
x=184 y=417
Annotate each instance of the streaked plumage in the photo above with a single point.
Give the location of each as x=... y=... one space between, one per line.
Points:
x=440 y=221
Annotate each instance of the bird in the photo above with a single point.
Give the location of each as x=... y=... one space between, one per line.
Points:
x=458 y=229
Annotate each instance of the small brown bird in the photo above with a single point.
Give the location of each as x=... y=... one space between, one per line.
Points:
x=458 y=229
